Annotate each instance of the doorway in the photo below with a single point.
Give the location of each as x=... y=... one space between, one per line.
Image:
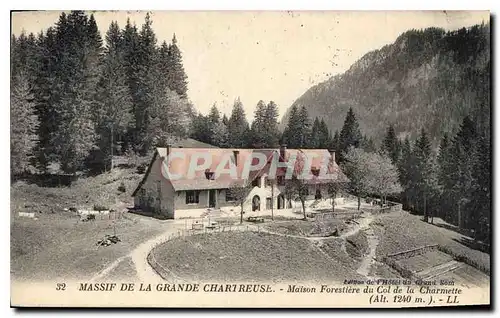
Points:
x=256 y=203
x=281 y=201
x=212 y=198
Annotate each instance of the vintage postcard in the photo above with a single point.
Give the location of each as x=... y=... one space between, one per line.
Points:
x=319 y=159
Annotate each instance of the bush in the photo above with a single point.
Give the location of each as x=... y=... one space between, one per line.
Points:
x=121 y=187
x=141 y=169
x=100 y=207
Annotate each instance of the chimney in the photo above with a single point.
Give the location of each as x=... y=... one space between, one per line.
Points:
x=169 y=146
x=332 y=154
x=282 y=151
x=236 y=153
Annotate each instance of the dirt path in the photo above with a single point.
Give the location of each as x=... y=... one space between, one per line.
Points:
x=369 y=258
x=139 y=256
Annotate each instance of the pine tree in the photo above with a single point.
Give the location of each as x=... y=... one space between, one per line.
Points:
x=23 y=57
x=23 y=126
x=164 y=59
x=45 y=93
x=445 y=182
x=130 y=42
x=406 y=167
x=78 y=53
x=177 y=78
x=200 y=129
x=271 y=125
x=238 y=128
x=424 y=172
x=350 y=135
x=113 y=106
x=218 y=134
x=324 y=135
x=258 y=129
x=305 y=131
x=480 y=204
x=147 y=81
x=367 y=144
x=214 y=114
x=168 y=119
x=293 y=131
x=390 y=144
x=315 y=137
x=335 y=143
x=462 y=151
x=225 y=120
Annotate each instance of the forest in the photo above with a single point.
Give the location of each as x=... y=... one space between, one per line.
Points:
x=76 y=99
x=452 y=182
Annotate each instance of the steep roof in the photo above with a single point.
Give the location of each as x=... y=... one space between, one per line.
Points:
x=221 y=158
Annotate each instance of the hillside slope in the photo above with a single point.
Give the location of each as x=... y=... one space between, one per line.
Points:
x=427 y=78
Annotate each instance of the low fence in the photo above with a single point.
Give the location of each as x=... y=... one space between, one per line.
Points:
x=391 y=207
x=413 y=252
x=405 y=272
x=100 y=215
x=324 y=216
x=391 y=260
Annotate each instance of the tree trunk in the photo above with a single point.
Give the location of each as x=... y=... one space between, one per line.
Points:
x=359 y=202
x=426 y=217
x=272 y=202
x=112 y=132
x=333 y=204
x=304 y=208
x=459 y=216
x=241 y=214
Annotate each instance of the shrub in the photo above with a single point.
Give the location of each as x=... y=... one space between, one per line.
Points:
x=141 y=169
x=121 y=187
x=100 y=207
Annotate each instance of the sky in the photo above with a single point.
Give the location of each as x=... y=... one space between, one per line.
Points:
x=268 y=55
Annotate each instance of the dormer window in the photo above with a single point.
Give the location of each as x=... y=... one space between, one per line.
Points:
x=315 y=171
x=209 y=174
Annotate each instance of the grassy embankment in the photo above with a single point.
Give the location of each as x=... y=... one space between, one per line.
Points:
x=56 y=244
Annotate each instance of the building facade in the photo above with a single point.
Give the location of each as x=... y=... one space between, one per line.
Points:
x=197 y=182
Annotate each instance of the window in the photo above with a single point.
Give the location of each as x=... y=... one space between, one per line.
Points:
x=269 y=182
x=317 y=195
x=315 y=171
x=192 y=197
x=209 y=174
x=256 y=182
x=281 y=180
